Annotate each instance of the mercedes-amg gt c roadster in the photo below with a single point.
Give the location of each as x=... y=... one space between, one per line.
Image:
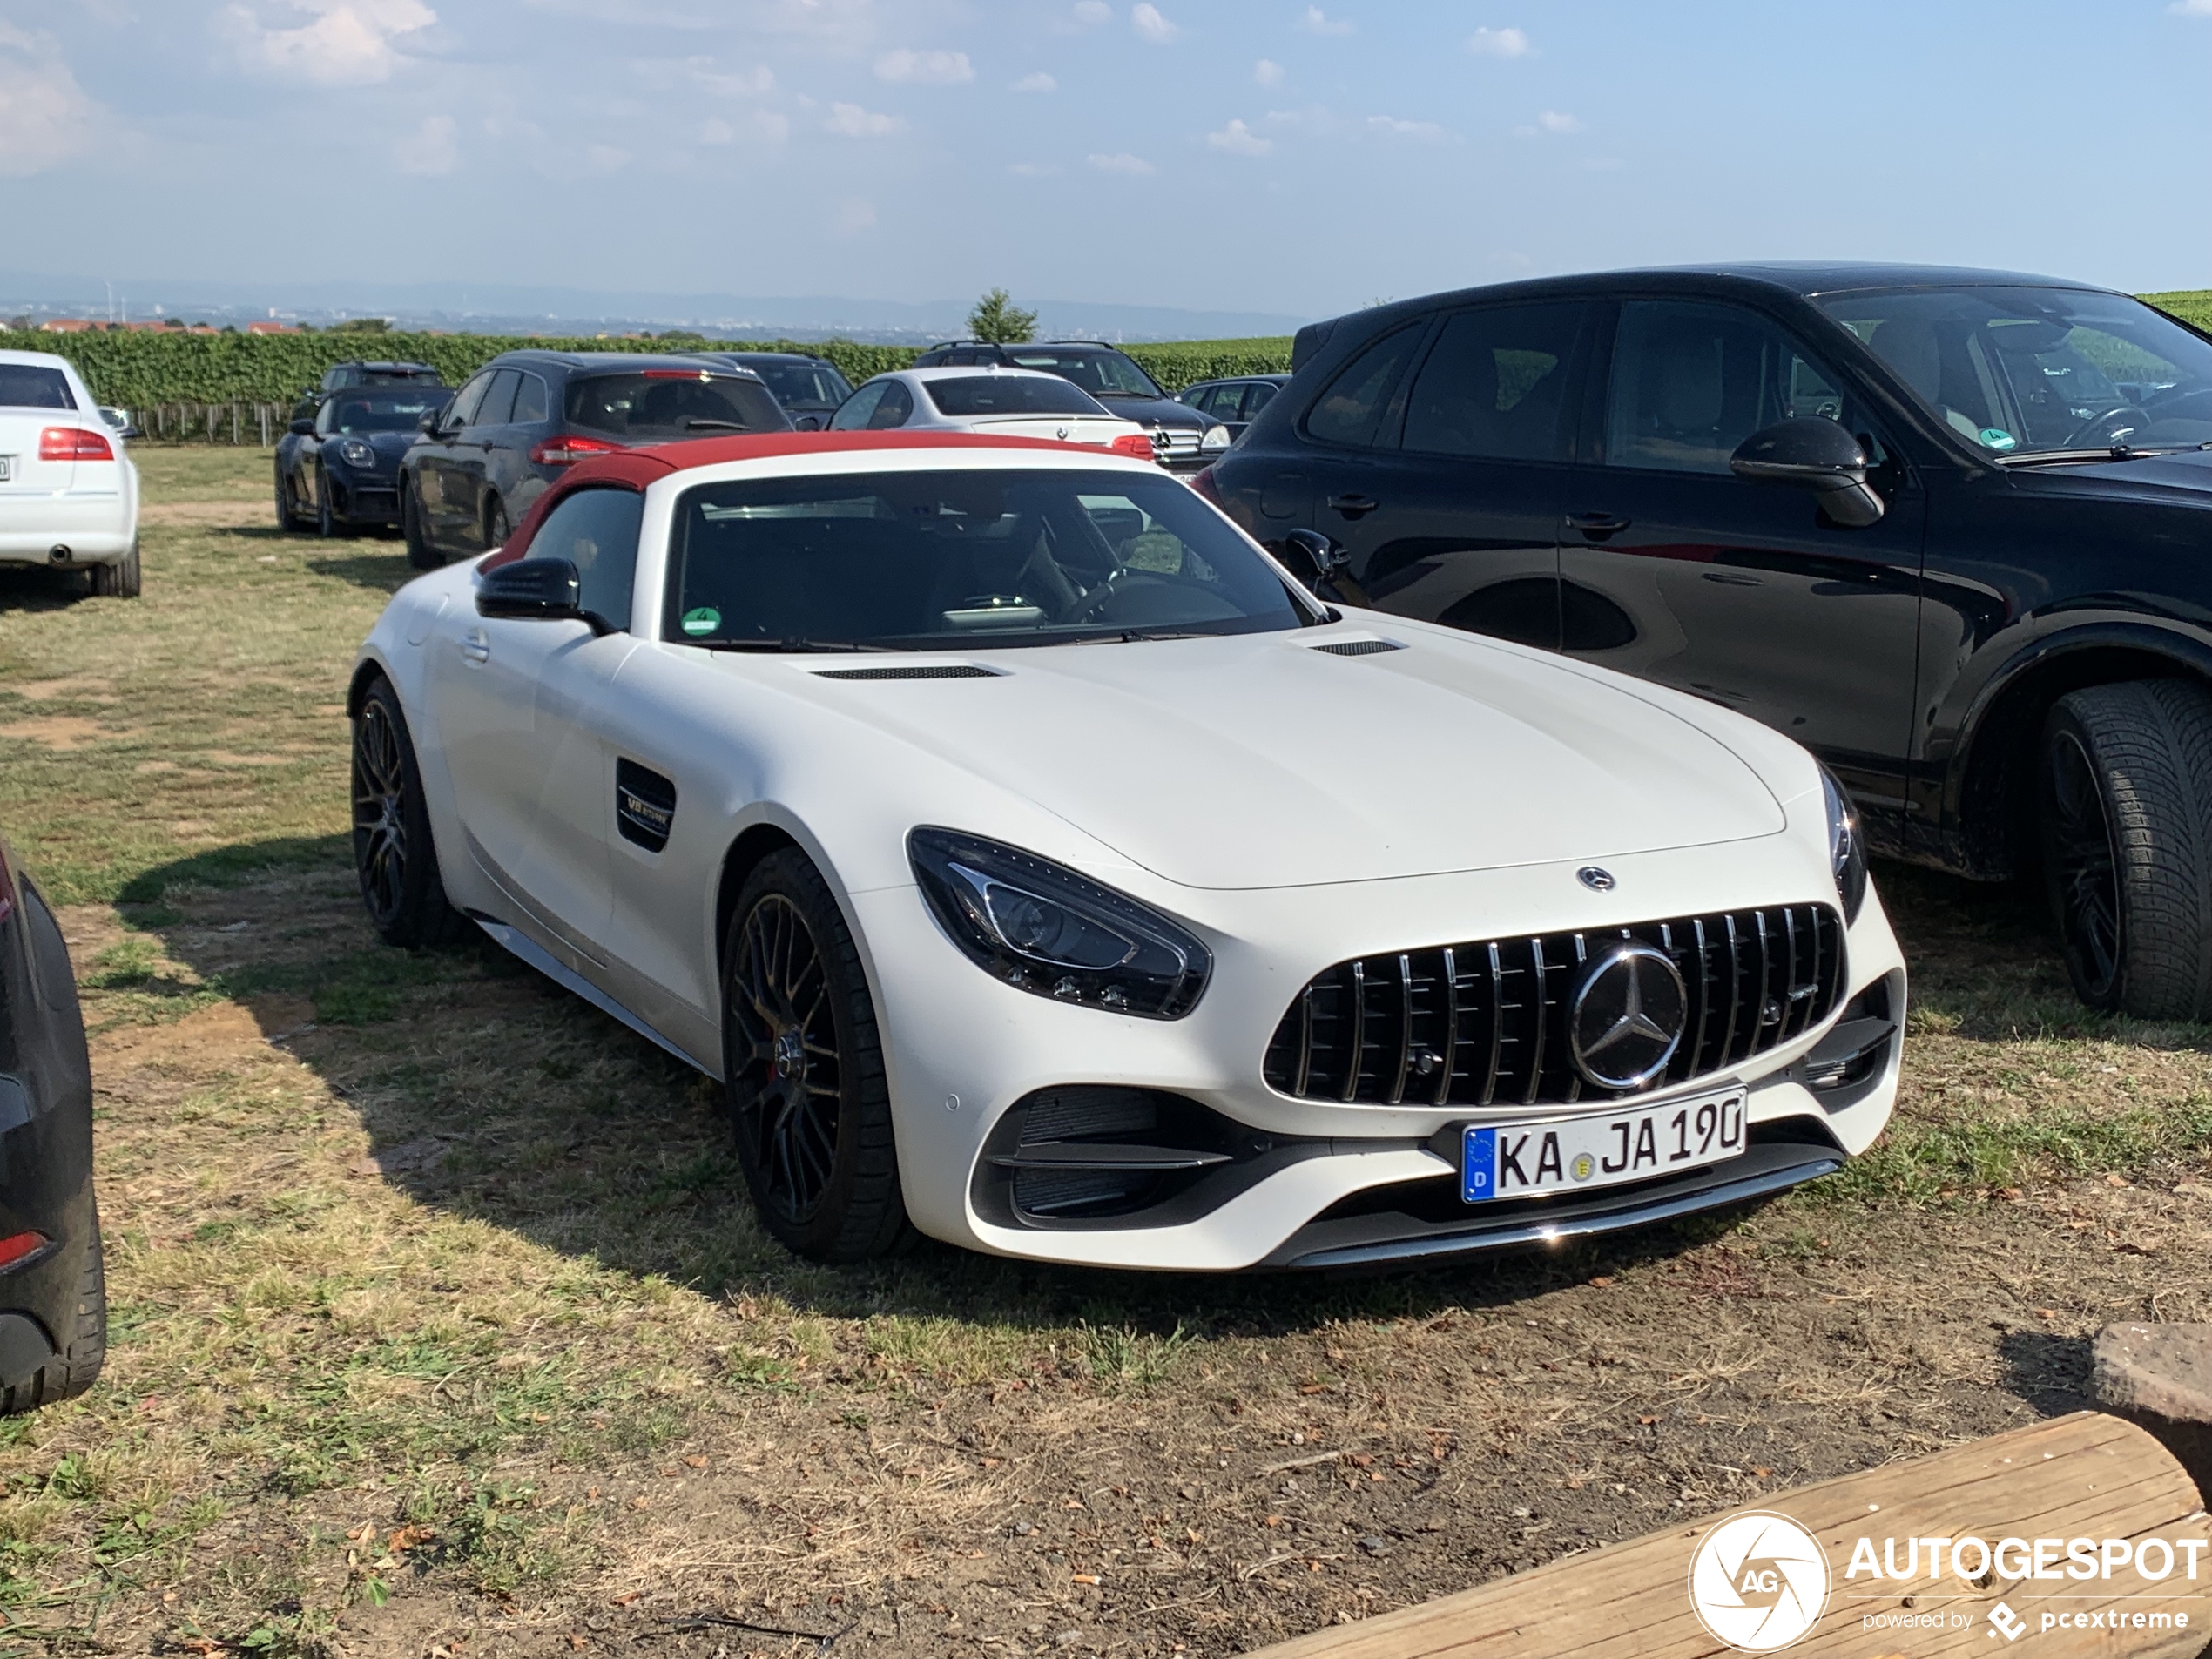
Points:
x=1037 y=864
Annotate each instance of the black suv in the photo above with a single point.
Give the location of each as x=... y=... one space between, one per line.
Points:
x=1185 y=439
x=1947 y=528
x=526 y=415
x=809 y=389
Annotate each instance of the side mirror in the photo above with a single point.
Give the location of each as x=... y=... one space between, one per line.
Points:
x=808 y=423
x=1314 y=558
x=532 y=590
x=1817 y=455
x=427 y=424
x=303 y=428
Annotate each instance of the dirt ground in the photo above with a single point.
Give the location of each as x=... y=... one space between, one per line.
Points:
x=441 y=1326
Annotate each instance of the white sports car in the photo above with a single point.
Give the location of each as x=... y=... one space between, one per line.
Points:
x=68 y=494
x=1038 y=864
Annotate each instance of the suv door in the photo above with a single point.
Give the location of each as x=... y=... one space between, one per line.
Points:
x=1746 y=594
x=444 y=500
x=473 y=458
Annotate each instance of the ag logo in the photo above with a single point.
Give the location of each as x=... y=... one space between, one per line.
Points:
x=1759 y=1581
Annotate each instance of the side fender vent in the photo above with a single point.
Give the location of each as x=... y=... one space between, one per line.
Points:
x=915 y=671
x=644 y=805
x=1359 y=647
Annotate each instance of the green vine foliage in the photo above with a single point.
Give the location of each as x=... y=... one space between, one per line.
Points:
x=139 y=370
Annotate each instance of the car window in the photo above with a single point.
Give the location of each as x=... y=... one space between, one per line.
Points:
x=1103 y=374
x=531 y=404
x=961 y=560
x=1494 y=384
x=1261 y=395
x=858 y=410
x=1353 y=408
x=1011 y=395
x=464 y=412
x=896 y=404
x=365 y=409
x=498 y=406
x=1692 y=380
x=805 y=385
x=596 y=531
x=672 y=403
x=31 y=386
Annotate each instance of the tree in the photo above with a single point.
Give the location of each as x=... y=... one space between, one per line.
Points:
x=997 y=319
x=363 y=326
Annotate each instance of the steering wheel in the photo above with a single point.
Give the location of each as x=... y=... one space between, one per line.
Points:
x=2099 y=426
x=1112 y=588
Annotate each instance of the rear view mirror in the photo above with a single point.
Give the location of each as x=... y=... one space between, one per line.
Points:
x=532 y=590
x=1817 y=455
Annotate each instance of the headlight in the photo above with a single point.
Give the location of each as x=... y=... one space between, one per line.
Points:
x=354 y=453
x=1216 y=440
x=1045 y=929
x=1846 y=850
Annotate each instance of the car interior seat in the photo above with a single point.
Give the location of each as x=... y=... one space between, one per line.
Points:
x=1913 y=350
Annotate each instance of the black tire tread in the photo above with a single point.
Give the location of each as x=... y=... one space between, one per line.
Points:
x=124 y=579
x=2150 y=742
x=77 y=1366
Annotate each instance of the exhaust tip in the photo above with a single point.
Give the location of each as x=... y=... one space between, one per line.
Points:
x=60 y=555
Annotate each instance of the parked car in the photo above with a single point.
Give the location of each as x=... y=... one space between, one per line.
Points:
x=527 y=417
x=339 y=468
x=809 y=389
x=1036 y=862
x=343 y=377
x=1233 y=402
x=53 y=1298
x=1008 y=403
x=68 y=494
x=1927 y=521
x=1185 y=439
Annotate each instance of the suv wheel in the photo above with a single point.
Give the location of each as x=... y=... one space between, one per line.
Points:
x=2125 y=789
x=420 y=553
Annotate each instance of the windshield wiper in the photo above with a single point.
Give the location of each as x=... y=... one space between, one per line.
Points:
x=794 y=643
x=2109 y=452
x=693 y=422
x=1134 y=636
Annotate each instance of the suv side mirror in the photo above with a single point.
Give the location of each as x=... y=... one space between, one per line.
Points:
x=533 y=590
x=807 y=423
x=428 y=423
x=303 y=428
x=1817 y=455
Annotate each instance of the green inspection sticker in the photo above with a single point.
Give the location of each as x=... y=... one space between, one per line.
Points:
x=705 y=620
x=1997 y=438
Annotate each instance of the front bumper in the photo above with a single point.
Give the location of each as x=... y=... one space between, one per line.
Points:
x=1338 y=1185
x=364 y=498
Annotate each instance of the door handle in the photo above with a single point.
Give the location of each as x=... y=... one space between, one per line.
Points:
x=1597 y=526
x=1353 y=506
x=475 y=645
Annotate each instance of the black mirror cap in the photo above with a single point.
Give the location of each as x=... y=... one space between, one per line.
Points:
x=532 y=590
x=1312 y=557
x=1813 y=454
x=807 y=423
x=303 y=428
x=427 y=423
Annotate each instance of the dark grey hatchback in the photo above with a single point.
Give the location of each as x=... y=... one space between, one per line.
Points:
x=528 y=415
x=1949 y=529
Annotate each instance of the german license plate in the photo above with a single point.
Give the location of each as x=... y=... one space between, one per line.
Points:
x=7 y=467
x=1530 y=1161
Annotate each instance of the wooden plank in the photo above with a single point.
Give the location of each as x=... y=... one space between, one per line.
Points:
x=2083 y=1476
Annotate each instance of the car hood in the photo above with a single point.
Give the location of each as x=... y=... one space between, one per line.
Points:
x=2185 y=471
x=1152 y=411
x=1257 y=761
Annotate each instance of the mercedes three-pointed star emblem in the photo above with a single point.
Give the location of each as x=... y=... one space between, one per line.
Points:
x=1627 y=1016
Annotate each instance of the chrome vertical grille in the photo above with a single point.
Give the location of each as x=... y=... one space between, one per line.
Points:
x=1485 y=1023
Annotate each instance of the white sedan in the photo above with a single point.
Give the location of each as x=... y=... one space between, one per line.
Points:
x=1038 y=864
x=1002 y=402
x=69 y=495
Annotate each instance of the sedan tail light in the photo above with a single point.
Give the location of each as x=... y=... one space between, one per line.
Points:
x=568 y=451
x=1137 y=445
x=73 y=443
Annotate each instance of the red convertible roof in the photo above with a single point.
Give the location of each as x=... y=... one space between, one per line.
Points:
x=636 y=468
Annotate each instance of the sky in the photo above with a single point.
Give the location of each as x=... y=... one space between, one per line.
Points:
x=1244 y=154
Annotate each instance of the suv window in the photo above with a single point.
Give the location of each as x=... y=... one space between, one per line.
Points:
x=672 y=403
x=1352 y=411
x=596 y=531
x=1494 y=384
x=1103 y=374
x=498 y=406
x=530 y=403
x=1262 y=394
x=464 y=412
x=1691 y=381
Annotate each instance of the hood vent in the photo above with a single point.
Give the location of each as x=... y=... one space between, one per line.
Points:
x=911 y=672
x=1357 y=647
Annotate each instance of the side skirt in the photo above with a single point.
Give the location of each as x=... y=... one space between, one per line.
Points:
x=522 y=946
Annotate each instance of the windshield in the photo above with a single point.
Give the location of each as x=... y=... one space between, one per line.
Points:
x=672 y=403
x=30 y=386
x=358 y=413
x=961 y=560
x=1011 y=395
x=1103 y=374
x=814 y=386
x=2017 y=371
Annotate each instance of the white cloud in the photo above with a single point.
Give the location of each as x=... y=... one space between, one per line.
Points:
x=1559 y=121
x=349 y=42
x=851 y=121
x=924 y=68
x=772 y=127
x=1149 y=23
x=2191 y=8
x=1499 y=42
x=45 y=116
x=431 y=148
x=1135 y=166
x=852 y=216
x=1089 y=12
x=1240 y=141
x=1039 y=82
x=1390 y=127
x=742 y=82
x=600 y=159
x=1317 y=22
x=1268 y=72
x=715 y=130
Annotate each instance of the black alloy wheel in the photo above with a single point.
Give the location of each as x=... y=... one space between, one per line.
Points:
x=2125 y=793
x=497 y=526
x=808 y=1100
x=420 y=554
x=393 y=858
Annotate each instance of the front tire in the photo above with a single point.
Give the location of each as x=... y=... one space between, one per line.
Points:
x=420 y=554
x=394 y=859
x=497 y=526
x=807 y=1095
x=327 y=523
x=2125 y=788
x=288 y=509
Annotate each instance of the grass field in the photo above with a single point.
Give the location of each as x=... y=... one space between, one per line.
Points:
x=440 y=1317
